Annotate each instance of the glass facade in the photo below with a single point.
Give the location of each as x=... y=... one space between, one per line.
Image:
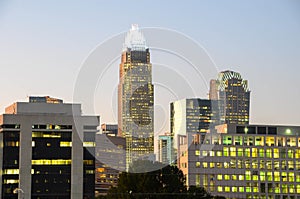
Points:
x=234 y=96
x=136 y=98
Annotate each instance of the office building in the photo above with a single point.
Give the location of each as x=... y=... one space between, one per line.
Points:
x=243 y=161
x=47 y=150
x=136 y=98
x=234 y=95
x=189 y=116
x=110 y=161
x=165 y=149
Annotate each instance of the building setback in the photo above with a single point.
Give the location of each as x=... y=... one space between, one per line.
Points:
x=47 y=150
x=136 y=98
x=243 y=161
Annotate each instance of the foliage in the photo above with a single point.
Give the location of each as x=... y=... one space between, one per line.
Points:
x=161 y=182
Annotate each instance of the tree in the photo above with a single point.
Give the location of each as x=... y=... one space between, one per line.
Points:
x=198 y=192
x=161 y=182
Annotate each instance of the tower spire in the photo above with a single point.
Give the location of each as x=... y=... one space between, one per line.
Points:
x=135 y=39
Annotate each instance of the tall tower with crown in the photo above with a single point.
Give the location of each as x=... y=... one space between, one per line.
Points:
x=136 y=98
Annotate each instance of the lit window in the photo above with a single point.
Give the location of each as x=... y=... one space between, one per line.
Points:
x=248 y=175
x=90 y=172
x=254 y=152
x=291 y=177
x=276 y=176
x=220 y=189
x=50 y=162
x=261 y=153
x=276 y=153
x=240 y=152
x=227 y=189
x=233 y=177
x=225 y=151
x=262 y=176
x=11 y=181
x=226 y=177
x=241 y=189
x=11 y=171
x=232 y=151
x=219 y=177
x=89 y=144
x=65 y=144
x=234 y=189
x=197 y=164
x=290 y=153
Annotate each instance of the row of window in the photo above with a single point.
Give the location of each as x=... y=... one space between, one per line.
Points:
x=292 y=189
x=247 y=164
x=280 y=141
x=250 y=152
x=262 y=176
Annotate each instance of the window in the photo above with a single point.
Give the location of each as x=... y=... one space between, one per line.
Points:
x=197 y=164
x=276 y=176
x=270 y=141
x=276 y=153
x=254 y=152
x=225 y=151
x=290 y=153
x=238 y=140
x=241 y=189
x=261 y=153
x=241 y=177
x=291 y=177
x=219 y=177
x=232 y=151
x=269 y=153
x=259 y=141
x=220 y=189
x=248 y=175
x=269 y=176
x=226 y=177
x=227 y=140
x=240 y=152
x=247 y=152
x=262 y=176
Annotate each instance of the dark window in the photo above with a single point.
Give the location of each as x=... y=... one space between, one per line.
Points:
x=262 y=130
x=272 y=131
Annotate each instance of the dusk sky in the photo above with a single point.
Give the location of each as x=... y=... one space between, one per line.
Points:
x=45 y=43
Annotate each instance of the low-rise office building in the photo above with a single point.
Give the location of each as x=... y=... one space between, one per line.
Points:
x=243 y=161
x=47 y=150
x=110 y=161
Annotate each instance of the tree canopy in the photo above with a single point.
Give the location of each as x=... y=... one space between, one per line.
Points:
x=161 y=182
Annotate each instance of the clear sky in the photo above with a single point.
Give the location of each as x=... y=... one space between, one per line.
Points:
x=44 y=43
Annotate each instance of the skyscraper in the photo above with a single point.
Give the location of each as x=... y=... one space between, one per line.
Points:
x=135 y=97
x=234 y=96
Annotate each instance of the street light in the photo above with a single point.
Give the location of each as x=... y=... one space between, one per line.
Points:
x=18 y=191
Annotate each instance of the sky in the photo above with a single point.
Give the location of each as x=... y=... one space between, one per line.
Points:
x=45 y=44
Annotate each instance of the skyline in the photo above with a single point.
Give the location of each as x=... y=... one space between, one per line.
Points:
x=42 y=51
